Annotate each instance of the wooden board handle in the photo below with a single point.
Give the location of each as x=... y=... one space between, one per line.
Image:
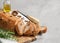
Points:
x=43 y=29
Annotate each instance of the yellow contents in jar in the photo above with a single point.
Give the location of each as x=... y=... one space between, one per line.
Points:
x=7 y=8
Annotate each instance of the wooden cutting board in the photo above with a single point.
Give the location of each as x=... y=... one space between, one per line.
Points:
x=26 y=39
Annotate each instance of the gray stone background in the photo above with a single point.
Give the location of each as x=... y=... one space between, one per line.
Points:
x=47 y=11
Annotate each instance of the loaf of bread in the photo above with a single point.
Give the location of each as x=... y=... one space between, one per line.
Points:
x=18 y=24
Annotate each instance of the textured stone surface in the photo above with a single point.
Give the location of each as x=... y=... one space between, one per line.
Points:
x=47 y=11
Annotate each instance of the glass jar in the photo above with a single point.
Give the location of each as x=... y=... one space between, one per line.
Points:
x=6 y=6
